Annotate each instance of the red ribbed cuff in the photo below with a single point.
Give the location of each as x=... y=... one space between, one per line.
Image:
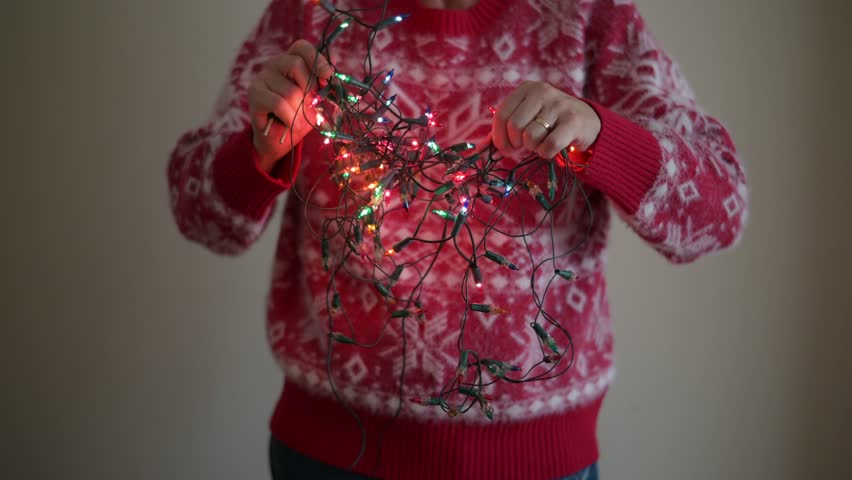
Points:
x=542 y=448
x=626 y=160
x=240 y=181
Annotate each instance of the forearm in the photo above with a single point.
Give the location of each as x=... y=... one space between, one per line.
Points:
x=671 y=170
x=221 y=194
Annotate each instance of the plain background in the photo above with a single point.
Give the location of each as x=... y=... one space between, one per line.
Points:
x=128 y=352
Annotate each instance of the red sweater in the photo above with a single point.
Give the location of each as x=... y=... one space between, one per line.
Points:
x=668 y=168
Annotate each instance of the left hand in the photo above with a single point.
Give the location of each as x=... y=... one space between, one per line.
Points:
x=539 y=117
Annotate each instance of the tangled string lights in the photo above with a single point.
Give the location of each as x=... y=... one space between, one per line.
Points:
x=385 y=162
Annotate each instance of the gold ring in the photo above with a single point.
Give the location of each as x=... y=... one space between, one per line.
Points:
x=544 y=124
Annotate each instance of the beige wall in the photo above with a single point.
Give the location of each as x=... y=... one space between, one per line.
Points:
x=832 y=343
x=129 y=353
x=739 y=365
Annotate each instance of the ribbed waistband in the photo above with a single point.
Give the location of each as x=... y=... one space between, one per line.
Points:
x=542 y=448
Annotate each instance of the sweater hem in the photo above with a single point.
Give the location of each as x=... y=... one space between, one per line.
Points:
x=540 y=448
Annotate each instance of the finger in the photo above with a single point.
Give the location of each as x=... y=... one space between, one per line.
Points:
x=504 y=111
x=487 y=149
x=312 y=60
x=265 y=101
x=285 y=88
x=288 y=103
x=498 y=134
x=560 y=137
x=484 y=145
x=293 y=68
x=520 y=120
x=536 y=132
x=277 y=83
x=290 y=92
x=586 y=122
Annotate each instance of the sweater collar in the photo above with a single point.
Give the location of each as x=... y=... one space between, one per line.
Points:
x=469 y=21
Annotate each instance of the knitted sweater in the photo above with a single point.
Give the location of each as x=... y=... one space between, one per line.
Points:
x=668 y=168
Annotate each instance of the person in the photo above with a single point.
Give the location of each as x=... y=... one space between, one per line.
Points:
x=583 y=73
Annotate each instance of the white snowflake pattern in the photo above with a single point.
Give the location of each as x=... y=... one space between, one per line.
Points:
x=427 y=345
x=638 y=81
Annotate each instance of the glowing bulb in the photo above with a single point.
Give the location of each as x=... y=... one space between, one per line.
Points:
x=320 y=119
x=398 y=247
x=427 y=401
x=481 y=307
x=566 y=274
x=546 y=338
x=341 y=338
x=327 y=141
x=488 y=409
x=534 y=190
x=364 y=212
x=477 y=276
x=415 y=143
x=465 y=208
x=444 y=214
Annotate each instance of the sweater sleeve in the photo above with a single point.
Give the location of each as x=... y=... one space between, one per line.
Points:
x=670 y=169
x=220 y=197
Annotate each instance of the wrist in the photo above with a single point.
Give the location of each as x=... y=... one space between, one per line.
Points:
x=264 y=152
x=239 y=179
x=625 y=160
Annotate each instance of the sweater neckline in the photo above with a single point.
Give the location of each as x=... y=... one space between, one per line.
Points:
x=467 y=21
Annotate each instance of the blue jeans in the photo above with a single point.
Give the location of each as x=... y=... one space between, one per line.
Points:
x=288 y=464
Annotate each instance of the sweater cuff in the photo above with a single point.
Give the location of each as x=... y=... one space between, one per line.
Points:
x=625 y=162
x=239 y=180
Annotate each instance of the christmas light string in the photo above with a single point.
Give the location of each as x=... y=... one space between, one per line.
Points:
x=383 y=162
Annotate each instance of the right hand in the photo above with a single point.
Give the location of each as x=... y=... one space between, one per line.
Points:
x=282 y=87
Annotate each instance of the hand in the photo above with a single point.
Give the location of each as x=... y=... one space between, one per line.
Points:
x=282 y=87
x=541 y=118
